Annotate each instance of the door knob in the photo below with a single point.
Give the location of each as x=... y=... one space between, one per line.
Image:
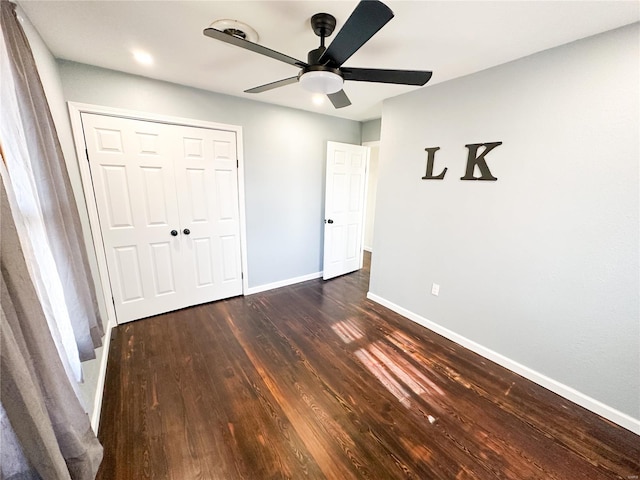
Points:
x=328 y=221
x=174 y=233
x=186 y=231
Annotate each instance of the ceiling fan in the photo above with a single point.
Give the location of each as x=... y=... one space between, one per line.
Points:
x=323 y=72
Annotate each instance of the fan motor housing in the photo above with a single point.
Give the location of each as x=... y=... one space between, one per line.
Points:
x=313 y=57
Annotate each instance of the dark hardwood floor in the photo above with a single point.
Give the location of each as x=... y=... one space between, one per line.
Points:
x=316 y=381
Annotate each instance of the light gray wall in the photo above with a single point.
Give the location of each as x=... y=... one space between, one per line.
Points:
x=541 y=266
x=372 y=187
x=371 y=130
x=284 y=153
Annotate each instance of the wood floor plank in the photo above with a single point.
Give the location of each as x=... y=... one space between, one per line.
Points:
x=245 y=391
x=315 y=381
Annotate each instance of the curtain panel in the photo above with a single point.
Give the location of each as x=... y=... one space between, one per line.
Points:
x=44 y=430
x=52 y=188
x=49 y=319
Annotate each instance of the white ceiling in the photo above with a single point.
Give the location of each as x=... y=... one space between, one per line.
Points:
x=450 y=38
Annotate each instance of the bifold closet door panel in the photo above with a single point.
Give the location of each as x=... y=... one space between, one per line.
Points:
x=206 y=175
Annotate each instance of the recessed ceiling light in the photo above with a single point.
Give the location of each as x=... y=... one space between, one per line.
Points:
x=318 y=99
x=143 y=57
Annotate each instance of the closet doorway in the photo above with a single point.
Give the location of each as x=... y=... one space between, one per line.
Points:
x=166 y=199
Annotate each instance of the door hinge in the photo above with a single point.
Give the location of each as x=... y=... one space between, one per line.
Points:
x=237 y=163
x=113 y=301
x=241 y=275
x=86 y=152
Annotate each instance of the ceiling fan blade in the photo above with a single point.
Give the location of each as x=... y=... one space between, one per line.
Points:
x=272 y=85
x=254 y=47
x=367 y=18
x=402 y=77
x=339 y=99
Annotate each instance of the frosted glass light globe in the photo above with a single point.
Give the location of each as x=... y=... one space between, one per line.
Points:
x=321 y=82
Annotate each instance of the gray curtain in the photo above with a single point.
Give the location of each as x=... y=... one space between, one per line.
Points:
x=62 y=221
x=45 y=433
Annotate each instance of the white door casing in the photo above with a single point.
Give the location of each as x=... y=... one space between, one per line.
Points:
x=150 y=179
x=344 y=208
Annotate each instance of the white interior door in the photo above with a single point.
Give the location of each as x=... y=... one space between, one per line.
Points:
x=154 y=185
x=344 y=208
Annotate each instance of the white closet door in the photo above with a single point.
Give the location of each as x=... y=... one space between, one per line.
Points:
x=153 y=183
x=207 y=183
x=133 y=180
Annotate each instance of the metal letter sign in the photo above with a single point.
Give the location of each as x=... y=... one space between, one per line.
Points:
x=473 y=160
x=431 y=152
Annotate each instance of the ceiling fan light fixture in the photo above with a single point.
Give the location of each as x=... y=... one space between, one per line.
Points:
x=321 y=81
x=323 y=73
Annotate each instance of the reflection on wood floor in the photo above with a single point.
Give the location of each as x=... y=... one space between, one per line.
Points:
x=316 y=381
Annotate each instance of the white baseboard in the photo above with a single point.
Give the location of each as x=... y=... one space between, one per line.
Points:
x=282 y=283
x=97 y=401
x=565 y=391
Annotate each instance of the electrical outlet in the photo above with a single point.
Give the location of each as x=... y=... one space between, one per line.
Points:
x=435 y=289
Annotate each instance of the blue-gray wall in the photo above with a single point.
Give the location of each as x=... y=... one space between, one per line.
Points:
x=542 y=266
x=371 y=130
x=284 y=158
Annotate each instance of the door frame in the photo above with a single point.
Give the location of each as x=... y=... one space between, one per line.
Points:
x=75 y=113
x=371 y=144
